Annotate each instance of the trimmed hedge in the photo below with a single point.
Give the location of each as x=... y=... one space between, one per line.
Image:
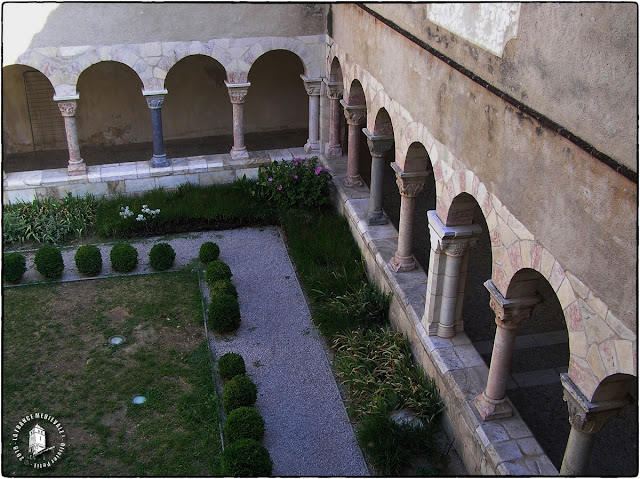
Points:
x=14 y=266
x=237 y=392
x=49 y=264
x=217 y=270
x=88 y=260
x=124 y=257
x=223 y=286
x=161 y=256
x=244 y=423
x=224 y=313
x=246 y=458
x=209 y=251
x=231 y=365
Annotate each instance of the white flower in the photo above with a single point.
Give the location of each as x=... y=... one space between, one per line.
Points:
x=140 y=217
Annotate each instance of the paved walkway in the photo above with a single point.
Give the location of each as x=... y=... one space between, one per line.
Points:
x=308 y=432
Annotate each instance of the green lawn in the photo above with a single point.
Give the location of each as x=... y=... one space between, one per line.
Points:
x=56 y=359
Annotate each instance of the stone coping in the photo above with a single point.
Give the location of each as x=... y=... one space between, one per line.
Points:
x=497 y=447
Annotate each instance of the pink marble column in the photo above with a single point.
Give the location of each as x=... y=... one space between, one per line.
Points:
x=410 y=185
x=355 y=115
x=334 y=92
x=313 y=87
x=68 y=108
x=492 y=402
x=237 y=94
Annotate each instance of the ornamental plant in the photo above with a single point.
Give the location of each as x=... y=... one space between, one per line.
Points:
x=237 y=392
x=215 y=271
x=244 y=423
x=14 y=266
x=88 y=260
x=223 y=286
x=161 y=256
x=124 y=257
x=301 y=183
x=231 y=365
x=246 y=458
x=224 y=313
x=49 y=264
x=209 y=251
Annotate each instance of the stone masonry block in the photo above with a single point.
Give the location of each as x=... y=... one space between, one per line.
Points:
x=617 y=326
x=565 y=294
x=529 y=446
x=595 y=362
x=514 y=468
x=547 y=263
x=578 y=343
x=578 y=286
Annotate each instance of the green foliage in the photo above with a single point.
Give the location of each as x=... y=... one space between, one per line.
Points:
x=224 y=313
x=246 y=458
x=49 y=264
x=161 y=256
x=216 y=271
x=376 y=367
x=301 y=183
x=209 y=251
x=231 y=365
x=244 y=423
x=88 y=259
x=124 y=257
x=48 y=221
x=237 y=392
x=14 y=266
x=223 y=286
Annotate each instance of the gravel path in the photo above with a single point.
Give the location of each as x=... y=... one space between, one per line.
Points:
x=308 y=432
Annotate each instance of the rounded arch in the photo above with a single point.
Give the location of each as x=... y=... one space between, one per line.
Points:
x=382 y=124
x=614 y=387
x=335 y=70
x=123 y=54
x=417 y=159
x=354 y=95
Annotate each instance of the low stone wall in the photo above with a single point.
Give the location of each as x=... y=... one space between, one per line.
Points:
x=498 y=447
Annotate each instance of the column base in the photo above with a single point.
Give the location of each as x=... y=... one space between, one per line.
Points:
x=239 y=154
x=159 y=161
x=312 y=147
x=490 y=409
x=376 y=218
x=446 y=330
x=402 y=264
x=353 y=181
x=333 y=150
x=77 y=168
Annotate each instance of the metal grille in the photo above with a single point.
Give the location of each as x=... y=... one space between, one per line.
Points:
x=47 y=124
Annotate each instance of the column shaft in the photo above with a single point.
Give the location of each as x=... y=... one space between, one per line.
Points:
x=577 y=454
x=76 y=165
x=313 y=87
x=454 y=253
x=378 y=146
x=355 y=116
x=237 y=94
x=155 y=101
x=334 y=92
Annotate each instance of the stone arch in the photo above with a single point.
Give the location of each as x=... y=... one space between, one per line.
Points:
x=124 y=54
x=354 y=95
x=417 y=159
x=335 y=69
x=614 y=387
x=158 y=68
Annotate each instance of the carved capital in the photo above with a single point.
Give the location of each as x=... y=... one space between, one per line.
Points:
x=155 y=102
x=237 y=91
x=312 y=85
x=355 y=115
x=510 y=312
x=334 y=89
x=410 y=184
x=378 y=144
x=68 y=108
x=455 y=248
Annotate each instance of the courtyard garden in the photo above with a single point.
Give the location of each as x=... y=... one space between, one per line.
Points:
x=57 y=354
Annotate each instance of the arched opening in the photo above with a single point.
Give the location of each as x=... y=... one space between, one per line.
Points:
x=112 y=112
x=335 y=75
x=276 y=109
x=196 y=114
x=34 y=138
x=360 y=166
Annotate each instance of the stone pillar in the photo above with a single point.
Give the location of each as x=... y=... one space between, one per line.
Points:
x=586 y=421
x=334 y=92
x=378 y=146
x=68 y=107
x=237 y=94
x=450 y=250
x=155 y=99
x=355 y=116
x=410 y=185
x=313 y=86
x=492 y=402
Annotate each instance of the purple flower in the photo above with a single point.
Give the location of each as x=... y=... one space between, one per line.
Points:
x=295 y=177
x=319 y=170
x=270 y=180
x=279 y=187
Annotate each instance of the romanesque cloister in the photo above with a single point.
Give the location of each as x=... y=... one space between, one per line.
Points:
x=471 y=276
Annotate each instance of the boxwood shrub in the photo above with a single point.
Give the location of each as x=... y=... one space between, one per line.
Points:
x=14 y=266
x=223 y=286
x=49 y=264
x=244 y=423
x=209 y=252
x=231 y=365
x=88 y=259
x=124 y=257
x=237 y=392
x=224 y=313
x=246 y=458
x=161 y=256
x=217 y=270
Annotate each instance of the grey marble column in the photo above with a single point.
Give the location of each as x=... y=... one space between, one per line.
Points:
x=155 y=100
x=355 y=115
x=313 y=87
x=378 y=146
x=334 y=92
x=68 y=107
x=237 y=94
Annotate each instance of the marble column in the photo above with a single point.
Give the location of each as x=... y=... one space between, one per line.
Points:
x=313 y=87
x=448 y=260
x=68 y=107
x=378 y=146
x=155 y=100
x=355 y=116
x=410 y=185
x=586 y=419
x=492 y=402
x=237 y=94
x=334 y=92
